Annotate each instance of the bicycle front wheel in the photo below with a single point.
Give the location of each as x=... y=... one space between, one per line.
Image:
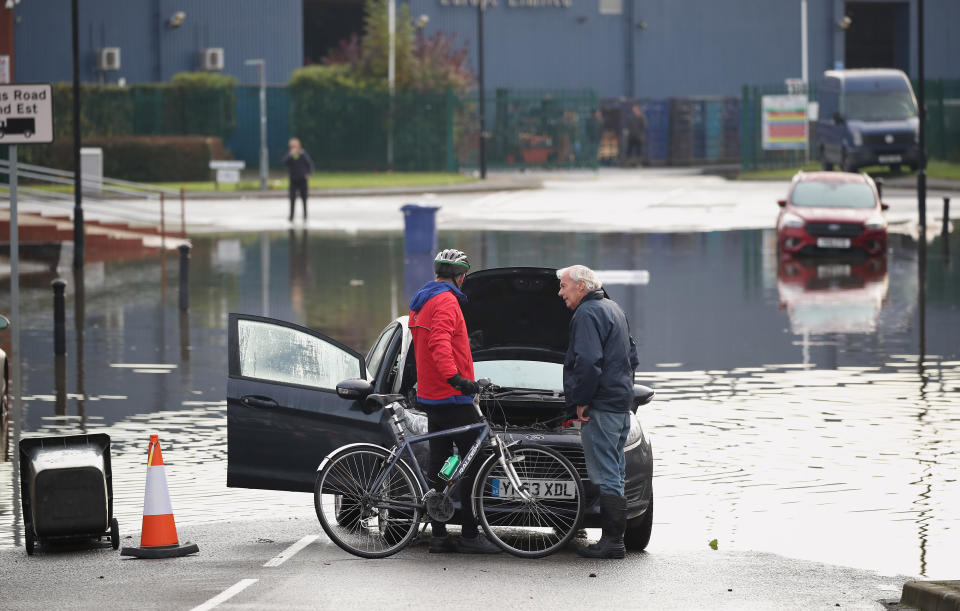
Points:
x=365 y=517
x=544 y=522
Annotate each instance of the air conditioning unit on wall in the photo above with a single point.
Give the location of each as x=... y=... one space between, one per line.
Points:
x=212 y=58
x=108 y=58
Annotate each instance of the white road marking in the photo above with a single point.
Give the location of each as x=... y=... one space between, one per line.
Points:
x=290 y=551
x=144 y=365
x=226 y=595
x=152 y=370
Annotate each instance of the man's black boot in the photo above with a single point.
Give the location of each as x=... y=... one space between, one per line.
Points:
x=613 y=521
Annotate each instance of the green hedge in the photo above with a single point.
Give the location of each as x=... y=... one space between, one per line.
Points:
x=139 y=158
x=191 y=104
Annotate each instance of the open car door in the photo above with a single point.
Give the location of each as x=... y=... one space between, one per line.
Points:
x=283 y=412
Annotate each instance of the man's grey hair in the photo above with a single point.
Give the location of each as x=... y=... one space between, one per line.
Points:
x=582 y=273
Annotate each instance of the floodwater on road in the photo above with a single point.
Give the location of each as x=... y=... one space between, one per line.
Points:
x=799 y=409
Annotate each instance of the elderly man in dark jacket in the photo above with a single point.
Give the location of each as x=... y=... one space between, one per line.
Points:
x=598 y=383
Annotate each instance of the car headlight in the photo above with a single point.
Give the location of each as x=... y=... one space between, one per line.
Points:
x=635 y=436
x=876 y=222
x=792 y=220
x=857 y=137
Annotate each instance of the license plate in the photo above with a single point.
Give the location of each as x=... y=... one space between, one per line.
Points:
x=833 y=242
x=889 y=158
x=539 y=488
x=833 y=271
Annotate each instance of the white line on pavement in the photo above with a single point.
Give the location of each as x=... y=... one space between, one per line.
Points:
x=290 y=551
x=226 y=595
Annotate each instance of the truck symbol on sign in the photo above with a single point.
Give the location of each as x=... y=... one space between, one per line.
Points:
x=27 y=127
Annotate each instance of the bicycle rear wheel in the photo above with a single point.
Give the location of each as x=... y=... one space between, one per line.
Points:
x=360 y=517
x=539 y=526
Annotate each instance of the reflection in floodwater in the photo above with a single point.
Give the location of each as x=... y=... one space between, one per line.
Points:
x=796 y=411
x=841 y=296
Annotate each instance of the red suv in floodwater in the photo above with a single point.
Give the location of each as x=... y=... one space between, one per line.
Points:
x=833 y=213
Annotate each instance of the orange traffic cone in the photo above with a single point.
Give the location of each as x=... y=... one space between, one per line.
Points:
x=158 y=539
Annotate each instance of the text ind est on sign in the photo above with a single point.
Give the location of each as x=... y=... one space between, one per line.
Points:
x=26 y=114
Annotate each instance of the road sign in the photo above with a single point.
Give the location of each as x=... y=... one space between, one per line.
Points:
x=227 y=164
x=26 y=114
x=228 y=176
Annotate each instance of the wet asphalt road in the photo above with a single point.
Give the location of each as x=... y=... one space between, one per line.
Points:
x=321 y=576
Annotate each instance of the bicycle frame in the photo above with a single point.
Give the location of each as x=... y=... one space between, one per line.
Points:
x=404 y=446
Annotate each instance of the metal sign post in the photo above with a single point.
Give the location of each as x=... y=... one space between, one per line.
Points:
x=15 y=310
x=26 y=117
x=261 y=65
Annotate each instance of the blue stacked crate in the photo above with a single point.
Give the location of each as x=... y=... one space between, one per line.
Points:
x=714 y=129
x=732 y=115
x=699 y=130
x=658 y=130
x=681 y=131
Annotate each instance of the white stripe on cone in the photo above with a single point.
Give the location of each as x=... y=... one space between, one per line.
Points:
x=156 y=498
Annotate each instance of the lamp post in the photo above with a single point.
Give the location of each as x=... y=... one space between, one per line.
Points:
x=805 y=76
x=391 y=74
x=480 y=100
x=77 y=177
x=922 y=188
x=261 y=65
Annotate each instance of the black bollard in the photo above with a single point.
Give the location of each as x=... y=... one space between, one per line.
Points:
x=945 y=232
x=946 y=216
x=184 y=277
x=59 y=316
x=879 y=183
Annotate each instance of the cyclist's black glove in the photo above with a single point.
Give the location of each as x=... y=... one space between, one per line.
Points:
x=465 y=386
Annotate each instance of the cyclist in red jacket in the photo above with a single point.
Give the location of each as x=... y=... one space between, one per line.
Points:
x=445 y=388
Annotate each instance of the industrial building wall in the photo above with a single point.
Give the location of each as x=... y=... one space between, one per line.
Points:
x=676 y=47
x=633 y=48
x=151 y=50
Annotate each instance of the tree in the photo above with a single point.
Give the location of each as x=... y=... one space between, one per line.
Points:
x=433 y=63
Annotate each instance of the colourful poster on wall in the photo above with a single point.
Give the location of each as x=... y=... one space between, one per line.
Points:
x=784 y=122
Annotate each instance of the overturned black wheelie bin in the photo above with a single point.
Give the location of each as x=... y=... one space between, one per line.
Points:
x=67 y=490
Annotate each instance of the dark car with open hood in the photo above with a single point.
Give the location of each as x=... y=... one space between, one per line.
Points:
x=284 y=414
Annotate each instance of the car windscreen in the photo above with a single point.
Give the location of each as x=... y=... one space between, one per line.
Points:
x=539 y=375
x=879 y=106
x=815 y=194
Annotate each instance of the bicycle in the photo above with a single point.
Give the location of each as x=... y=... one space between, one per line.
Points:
x=372 y=501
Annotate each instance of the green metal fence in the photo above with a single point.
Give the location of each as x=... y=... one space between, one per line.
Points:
x=439 y=131
x=942 y=125
x=356 y=130
x=531 y=128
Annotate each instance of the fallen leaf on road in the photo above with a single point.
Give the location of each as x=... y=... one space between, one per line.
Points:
x=713 y=544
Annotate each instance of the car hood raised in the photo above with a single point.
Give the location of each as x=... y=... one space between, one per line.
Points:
x=516 y=308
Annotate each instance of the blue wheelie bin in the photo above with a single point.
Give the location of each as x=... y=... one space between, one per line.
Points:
x=67 y=489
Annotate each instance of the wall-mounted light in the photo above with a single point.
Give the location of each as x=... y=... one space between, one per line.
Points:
x=176 y=20
x=9 y=4
x=642 y=25
x=582 y=19
x=845 y=23
x=422 y=21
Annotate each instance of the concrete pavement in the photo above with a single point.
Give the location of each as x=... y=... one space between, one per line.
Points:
x=661 y=200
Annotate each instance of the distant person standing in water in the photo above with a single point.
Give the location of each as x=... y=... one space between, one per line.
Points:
x=299 y=166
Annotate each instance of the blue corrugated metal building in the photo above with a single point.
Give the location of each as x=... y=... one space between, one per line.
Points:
x=633 y=48
x=153 y=45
